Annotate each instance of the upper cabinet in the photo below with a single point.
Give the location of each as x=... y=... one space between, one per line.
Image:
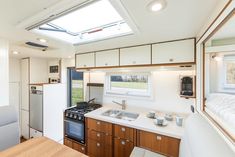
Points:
x=182 y=51
x=107 y=58
x=85 y=60
x=139 y=55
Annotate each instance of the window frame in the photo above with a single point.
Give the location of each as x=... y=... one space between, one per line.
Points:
x=126 y=93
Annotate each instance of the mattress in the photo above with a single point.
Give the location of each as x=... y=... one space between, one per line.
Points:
x=221 y=107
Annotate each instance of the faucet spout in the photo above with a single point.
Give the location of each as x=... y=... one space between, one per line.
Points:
x=123 y=104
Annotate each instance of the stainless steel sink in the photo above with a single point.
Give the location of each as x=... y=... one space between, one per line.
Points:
x=121 y=115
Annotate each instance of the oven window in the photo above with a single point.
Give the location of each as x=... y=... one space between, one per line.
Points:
x=75 y=130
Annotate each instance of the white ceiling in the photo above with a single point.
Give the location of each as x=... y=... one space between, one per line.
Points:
x=180 y=19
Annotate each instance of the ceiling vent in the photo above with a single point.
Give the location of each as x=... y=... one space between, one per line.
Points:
x=36 y=46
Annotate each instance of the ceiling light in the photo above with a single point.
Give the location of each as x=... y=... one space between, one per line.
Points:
x=15 y=52
x=42 y=40
x=157 y=5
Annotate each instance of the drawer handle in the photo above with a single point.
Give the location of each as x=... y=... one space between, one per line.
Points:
x=83 y=148
x=84 y=65
x=123 y=142
x=171 y=59
x=106 y=64
x=134 y=62
x=98 y=144
x=123 y=129
x=98 y=123
x=98 y=135
x=159 y=138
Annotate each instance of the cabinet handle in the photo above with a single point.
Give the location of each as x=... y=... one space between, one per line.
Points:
x=171 y=59
x=98 y=135
x=84 y=65
x=106 y=64
x=134 y=62
x=98 y=144
x=98 y=123
x=123 y=129
x=159 y=138
x=83 y=148
x=123 y=142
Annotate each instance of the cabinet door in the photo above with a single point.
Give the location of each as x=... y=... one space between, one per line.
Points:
x=85 y=60
x=173 y=52
x=98 y=149
x=122 y=148
x=68 y=142
x=107 y=58
x=100 y=137
x=79 y=147
x=135 y=55
x=25 y=124
x=124 y=132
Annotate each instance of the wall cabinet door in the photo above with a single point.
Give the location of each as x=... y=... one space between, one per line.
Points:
x=158 y=143
x=85 y=60
x=135 y=55
x=107 y=58
x=173 y=52
x=122 y=148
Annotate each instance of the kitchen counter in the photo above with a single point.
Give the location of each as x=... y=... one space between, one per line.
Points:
x=141 y=123
x=40 y=147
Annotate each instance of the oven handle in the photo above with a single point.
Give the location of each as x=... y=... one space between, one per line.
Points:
x=72 y=121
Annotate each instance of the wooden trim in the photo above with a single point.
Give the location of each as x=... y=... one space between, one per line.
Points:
x=214 y=20
x=143 y=65
x=221 y=24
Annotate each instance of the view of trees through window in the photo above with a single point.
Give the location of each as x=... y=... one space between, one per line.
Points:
x=132 y=82
x=230 y=78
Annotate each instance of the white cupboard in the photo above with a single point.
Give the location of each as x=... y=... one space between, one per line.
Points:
x=139 y=55
x=25 y=124
x=85 y=60
x=173 y=52
x=107 y=58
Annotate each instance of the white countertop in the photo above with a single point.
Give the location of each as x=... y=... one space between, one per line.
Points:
x=141 y=123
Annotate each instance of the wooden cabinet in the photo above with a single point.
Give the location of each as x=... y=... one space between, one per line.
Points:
x=85 y=60
x=158 y=143
x=182 y=51
x=99 y=138
x=76 y=146
x=124 y=132
x=107 y=58
x=139 y=55
x=122 y=147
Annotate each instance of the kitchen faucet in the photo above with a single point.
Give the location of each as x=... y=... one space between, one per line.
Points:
x=123 y=104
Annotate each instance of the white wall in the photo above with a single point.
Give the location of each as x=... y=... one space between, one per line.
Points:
x=4 y=70
x=166 y=86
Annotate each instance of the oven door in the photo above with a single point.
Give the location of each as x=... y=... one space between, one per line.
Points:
x=75 y=130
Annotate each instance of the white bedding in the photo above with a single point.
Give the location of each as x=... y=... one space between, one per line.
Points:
x=223 y=106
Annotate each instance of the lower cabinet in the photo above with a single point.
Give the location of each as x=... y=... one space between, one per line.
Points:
x=158 y=143
x=74 y=145
x=99 y=149
x=122 y=147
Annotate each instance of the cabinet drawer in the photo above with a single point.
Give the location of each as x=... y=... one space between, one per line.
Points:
x=68 y=142
x=158 y=143
x=99 y=126
x=98 y=149
x=122 y=148
x=107 y=58
x=100 y=137
x=124 y=132
x=79 y=147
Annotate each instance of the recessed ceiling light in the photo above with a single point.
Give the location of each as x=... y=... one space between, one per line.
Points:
x=157 y=5
x=15 y=52
x=42 y=40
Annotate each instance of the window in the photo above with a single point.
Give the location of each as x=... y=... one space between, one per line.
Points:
x=229 y=69
x=130 y=84
x=96 y=21
x=75 y=87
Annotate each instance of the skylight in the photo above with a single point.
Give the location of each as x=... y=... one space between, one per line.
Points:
x=96 y=21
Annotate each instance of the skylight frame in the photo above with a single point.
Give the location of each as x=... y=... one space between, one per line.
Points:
x=128 y=30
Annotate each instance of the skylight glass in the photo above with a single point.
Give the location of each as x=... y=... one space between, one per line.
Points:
x=96 y=21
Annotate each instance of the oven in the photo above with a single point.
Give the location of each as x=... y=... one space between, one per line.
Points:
x=74 y=129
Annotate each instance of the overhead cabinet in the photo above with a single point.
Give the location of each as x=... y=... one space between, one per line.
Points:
x=85 y=60
x=107 y=58
x=139 y=55
x=182 y=51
